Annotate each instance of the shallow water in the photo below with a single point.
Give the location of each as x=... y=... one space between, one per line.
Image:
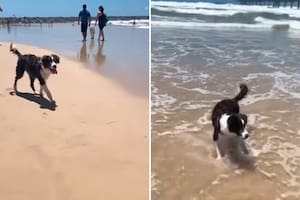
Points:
x=192 y=69
x=124 y=56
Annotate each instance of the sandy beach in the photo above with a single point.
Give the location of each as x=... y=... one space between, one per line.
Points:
x=124 y=56
x=94 y=145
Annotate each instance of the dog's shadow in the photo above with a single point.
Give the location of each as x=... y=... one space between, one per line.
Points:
x=44 y=103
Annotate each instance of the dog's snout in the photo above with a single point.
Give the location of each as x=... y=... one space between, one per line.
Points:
x=54 y=66
x=245 y=134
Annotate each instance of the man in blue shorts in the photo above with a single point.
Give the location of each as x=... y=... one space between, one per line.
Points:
x=85 y=18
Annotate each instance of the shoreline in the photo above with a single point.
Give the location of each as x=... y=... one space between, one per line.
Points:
x=37 y=20
x=130 y=70
x=95 y=140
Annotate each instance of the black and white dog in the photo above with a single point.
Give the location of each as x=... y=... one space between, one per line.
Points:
x=37 y=68
x=227 y=119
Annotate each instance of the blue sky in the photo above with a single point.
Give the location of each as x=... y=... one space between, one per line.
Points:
x=67 y=8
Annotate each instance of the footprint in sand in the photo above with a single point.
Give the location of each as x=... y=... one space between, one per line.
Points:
x=44 y=114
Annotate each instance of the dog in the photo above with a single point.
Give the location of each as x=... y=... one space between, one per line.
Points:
x=92 y=32
x=37 y=68
x=227 y=119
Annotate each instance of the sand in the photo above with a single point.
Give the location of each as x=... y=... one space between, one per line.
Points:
x=94 y=145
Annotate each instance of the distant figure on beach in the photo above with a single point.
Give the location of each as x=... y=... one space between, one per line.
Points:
x=133 y=23
x=8 y=26
x=102 y=19
x=85 y=18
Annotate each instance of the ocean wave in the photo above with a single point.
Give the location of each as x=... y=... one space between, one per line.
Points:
x=262 y=24
x=201 y=14
x=143 y=23
x=283 y=84
x=140 y=23
x=214 y=25
x=219 y=9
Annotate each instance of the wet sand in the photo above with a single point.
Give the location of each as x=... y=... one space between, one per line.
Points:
x=94 y=145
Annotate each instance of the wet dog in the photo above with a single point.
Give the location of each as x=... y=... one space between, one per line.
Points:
x=37 y=68
x=227 y=119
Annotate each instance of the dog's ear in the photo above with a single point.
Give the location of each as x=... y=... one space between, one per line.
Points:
x=55 y=58
x=244 y=119
x=46 y=60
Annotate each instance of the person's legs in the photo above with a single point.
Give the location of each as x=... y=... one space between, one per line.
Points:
x=84 y=31
x=84 y=36
x=99 y=36
x=102 y=33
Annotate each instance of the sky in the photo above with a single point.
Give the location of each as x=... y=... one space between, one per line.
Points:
x=71 y=8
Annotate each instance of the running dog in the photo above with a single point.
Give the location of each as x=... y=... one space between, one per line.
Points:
x=37 y=68
x=227 y=119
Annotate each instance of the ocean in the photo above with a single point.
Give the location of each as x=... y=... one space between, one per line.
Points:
x=201 y=52
x=123 y=57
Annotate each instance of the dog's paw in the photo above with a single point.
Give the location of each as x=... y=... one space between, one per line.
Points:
x=218 y=158
x=53 y=103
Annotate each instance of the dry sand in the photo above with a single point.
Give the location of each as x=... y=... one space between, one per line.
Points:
x=93 y=146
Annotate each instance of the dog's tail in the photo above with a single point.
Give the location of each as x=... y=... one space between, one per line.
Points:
x=243 y=92
x=14 y=50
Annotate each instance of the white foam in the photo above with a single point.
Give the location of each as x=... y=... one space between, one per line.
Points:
x=285 y=84
x=286 y=150
x=180 y=129
x=140 y=23
x=211 y=9
x=219 y=9
x=195 y=25
x=205 y=119
x=163 y=100
x=200 y=90
x=155 y=182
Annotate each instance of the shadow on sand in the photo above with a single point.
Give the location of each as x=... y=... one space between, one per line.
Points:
x=44 y=103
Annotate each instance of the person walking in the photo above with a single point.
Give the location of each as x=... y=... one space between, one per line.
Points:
x=102 y=19
x=85 y=18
